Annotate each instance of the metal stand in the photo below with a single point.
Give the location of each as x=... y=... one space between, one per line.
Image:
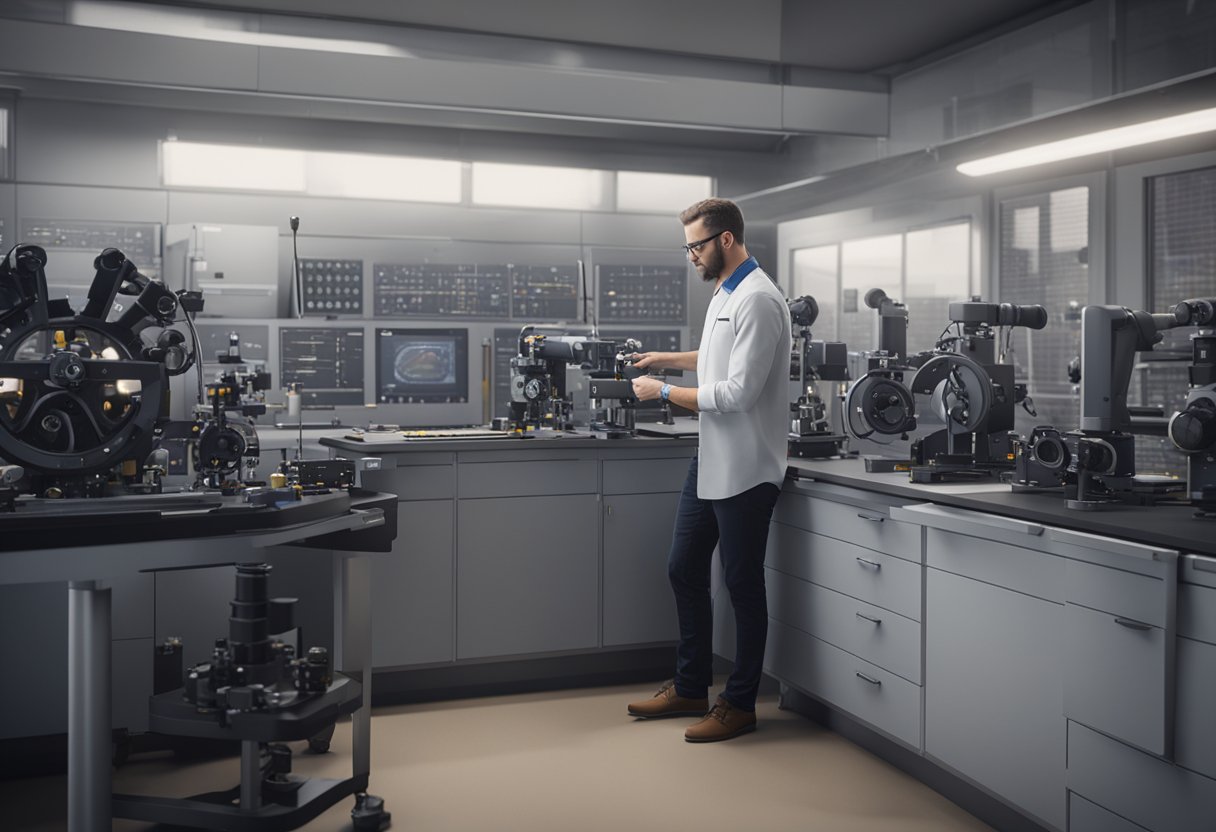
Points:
x=89 y=680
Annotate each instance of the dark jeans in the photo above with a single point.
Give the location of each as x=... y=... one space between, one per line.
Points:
x=738 y=526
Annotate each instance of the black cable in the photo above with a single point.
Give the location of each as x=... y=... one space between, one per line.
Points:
x=295 y=265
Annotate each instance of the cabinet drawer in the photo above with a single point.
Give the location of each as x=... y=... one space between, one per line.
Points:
x=1126 y=594
x=1137 y=786
x=1084 y=816
x=644 y=476
x=868 y=526
x=888 y=582
x=1197 y=612
x=1019 y=568
x=1118 y=677
x=1195 y=726
x=414 y=482
x=537 y=478
x=879 y=636
x=856 y=687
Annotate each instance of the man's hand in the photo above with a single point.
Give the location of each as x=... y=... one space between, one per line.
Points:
x=646 y=388
x=642 y=360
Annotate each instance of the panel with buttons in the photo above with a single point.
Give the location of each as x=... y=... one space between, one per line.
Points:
x=434 y=290
x=331 y=287
x=643 y=294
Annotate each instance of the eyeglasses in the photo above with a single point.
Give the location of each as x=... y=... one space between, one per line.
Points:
x=695 y=248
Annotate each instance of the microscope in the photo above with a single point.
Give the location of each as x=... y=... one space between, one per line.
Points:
x=539 y=395
x=1096 y=465
x=811 y=434
x=1193 y=429
x=972 y=391
x=878 y=406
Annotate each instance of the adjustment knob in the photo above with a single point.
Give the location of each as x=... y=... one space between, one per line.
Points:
x=1194 y=429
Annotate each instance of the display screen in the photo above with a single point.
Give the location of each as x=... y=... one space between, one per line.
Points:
x=422 y=365
x=326 y=361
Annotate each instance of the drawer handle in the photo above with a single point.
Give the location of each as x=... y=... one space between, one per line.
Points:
x=869 y=618
x=869 y=679
x=872 y=563
x=1133 y=625
x=873 y=518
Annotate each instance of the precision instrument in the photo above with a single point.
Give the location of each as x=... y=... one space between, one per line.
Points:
x=811 y=433
x=1096 y=465
x=1193 y=428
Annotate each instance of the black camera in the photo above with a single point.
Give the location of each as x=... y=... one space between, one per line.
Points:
x=978 y=313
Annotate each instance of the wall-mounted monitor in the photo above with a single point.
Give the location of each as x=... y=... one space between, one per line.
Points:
x=422 y=365
x=326 y=361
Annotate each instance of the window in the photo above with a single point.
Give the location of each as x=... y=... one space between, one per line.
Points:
x=358 y=175
x=816 y=271
x=6 y=137
x=937 y=271
x=873 y=263
x=370 y=176
x=535 y=186
x=660 y=192
x=1044 y=259
x=1182 y=262
x=191 y=165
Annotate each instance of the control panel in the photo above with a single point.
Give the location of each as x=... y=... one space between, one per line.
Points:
x=326 y=361
x=544 y=293
x=331 y=287
x=441 y=291
x=643 y=294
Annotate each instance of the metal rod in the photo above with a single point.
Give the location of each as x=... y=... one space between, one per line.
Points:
x=251 y=776
x=89 y=741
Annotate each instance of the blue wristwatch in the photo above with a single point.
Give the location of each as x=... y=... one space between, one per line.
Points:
x=665 y=392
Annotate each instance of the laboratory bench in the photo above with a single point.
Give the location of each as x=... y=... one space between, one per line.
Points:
x=1061 y=663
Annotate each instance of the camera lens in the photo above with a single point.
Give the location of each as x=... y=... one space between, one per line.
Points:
x=1050 y=452
x=1031 y=317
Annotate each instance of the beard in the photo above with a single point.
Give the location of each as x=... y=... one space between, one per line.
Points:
x=711 y=264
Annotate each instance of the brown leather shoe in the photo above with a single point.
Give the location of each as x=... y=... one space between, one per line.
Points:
x=723 y=722
x=668 y=703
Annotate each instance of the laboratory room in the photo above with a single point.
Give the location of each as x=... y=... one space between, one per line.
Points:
x=789 y=416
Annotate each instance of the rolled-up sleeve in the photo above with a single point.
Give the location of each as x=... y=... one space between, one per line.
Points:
x=759 y=323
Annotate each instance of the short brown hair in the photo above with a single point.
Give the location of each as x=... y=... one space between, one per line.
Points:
x=719 y=215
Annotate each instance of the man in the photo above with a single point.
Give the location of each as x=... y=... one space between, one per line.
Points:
x=743 y=369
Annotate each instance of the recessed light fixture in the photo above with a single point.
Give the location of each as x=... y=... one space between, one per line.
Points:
x=1103 y=141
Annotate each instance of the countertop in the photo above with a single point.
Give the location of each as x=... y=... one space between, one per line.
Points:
x=1175 y=527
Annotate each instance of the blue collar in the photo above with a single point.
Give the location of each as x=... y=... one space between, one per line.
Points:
x=745 y=268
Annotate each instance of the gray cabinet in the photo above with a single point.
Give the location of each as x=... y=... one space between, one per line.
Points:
x=993 y=702
x=527 y=575
x=412 y=597
x=638 y=603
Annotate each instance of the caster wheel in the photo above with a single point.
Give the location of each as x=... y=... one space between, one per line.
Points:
x=369 y=815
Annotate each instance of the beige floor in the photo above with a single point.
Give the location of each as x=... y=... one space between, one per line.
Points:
x=572 y=760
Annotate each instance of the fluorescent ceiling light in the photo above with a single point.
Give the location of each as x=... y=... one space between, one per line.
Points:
x=192 y=165
x=1187 y=124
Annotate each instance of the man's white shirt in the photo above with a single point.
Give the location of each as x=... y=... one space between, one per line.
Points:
x=743 y=367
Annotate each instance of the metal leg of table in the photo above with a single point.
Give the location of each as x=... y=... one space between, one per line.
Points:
x=89 y=738
x=353 y=626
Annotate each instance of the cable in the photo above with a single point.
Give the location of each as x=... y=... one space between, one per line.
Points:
x=295 y=266
x=198 y=361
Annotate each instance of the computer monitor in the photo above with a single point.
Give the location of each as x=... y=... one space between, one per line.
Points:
x=422 y=365
x=326 y=361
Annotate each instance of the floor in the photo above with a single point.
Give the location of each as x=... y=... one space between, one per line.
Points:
x=570 y=760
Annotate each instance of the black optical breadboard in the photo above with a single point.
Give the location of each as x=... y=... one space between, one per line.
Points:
x=643 y=294
x=331 y=287
x=428 y=290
